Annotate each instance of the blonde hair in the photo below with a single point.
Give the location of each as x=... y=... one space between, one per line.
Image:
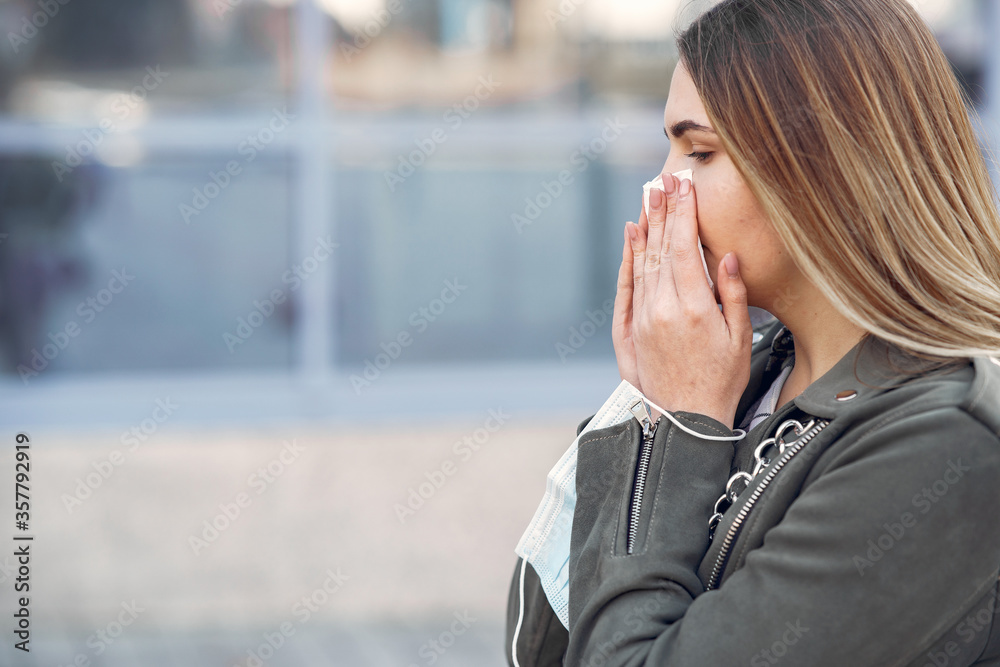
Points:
x=849 y=127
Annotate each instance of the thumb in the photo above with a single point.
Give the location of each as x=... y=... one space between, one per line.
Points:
x=733 y=295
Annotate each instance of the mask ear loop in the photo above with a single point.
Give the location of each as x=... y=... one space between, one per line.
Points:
x=742 y=433
x=520 y=618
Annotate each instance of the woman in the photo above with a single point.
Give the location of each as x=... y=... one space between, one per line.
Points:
x=840 y=187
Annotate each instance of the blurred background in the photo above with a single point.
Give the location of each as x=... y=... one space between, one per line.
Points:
x=300 y=301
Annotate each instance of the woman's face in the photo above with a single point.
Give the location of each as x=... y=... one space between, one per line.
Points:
x=729 y=217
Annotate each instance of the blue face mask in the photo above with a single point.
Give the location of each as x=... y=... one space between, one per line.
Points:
x=545 y=543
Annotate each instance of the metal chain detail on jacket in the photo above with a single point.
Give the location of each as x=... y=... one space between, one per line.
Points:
x=782 y=347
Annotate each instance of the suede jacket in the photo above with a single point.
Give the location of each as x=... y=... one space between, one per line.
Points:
x=871 y=538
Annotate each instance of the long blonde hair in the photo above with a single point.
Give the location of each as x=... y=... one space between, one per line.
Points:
x=849 y=126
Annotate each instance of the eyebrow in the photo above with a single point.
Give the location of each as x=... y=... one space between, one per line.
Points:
x=678 y=129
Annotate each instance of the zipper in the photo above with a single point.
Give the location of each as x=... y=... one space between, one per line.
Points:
x=741 y=517
x=641 y=413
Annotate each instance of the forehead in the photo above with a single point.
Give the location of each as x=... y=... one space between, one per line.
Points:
x=683 y=102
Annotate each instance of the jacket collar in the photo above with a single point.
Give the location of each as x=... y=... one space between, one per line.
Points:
x=871 y=367
x=982 y=399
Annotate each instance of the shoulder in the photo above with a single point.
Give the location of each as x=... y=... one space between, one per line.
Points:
x=966 y=391
x=919 y=417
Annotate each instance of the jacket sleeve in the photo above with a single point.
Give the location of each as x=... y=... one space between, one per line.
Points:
x=876 y=559
x=533 y=629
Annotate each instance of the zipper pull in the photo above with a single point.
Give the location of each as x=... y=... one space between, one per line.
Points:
x=641 y=413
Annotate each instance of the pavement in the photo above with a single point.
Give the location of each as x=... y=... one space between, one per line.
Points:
x=301 y=545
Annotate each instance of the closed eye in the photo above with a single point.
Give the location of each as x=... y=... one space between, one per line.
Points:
x=700 y=157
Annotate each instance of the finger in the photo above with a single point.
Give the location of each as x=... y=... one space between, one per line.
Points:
x=733 y=295
x=657 y=219
x=665 y=278
x=637 y=239
x=643 y=222
x=622 y=317
x=688 y=271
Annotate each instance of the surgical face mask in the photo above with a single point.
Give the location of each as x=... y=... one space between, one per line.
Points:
x=658 y=183
x=545 y=543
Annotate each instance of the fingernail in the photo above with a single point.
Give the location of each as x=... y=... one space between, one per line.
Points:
x=732 y=264
x=630 y=230
x=655 y=198
x=668 y=185
x=685 y=187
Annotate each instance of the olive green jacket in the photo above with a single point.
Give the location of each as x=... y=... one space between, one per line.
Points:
x=872 y=539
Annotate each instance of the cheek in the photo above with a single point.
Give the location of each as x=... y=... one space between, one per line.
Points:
x=727 y=208
x=718 y=218
x=730 y=221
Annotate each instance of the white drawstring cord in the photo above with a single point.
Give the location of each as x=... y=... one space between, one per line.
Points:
x=684 y=428
x=520 y=618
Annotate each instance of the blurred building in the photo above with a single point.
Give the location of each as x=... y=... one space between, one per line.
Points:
x=207 y=147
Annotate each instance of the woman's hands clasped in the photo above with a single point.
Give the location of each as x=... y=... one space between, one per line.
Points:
x=671 y=340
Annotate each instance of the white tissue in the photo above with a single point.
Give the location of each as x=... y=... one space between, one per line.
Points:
x=658 y=183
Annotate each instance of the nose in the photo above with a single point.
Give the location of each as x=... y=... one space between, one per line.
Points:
x=670 y=167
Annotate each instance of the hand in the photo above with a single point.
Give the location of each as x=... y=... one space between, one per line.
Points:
x=622 y=321
x=688 y=355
